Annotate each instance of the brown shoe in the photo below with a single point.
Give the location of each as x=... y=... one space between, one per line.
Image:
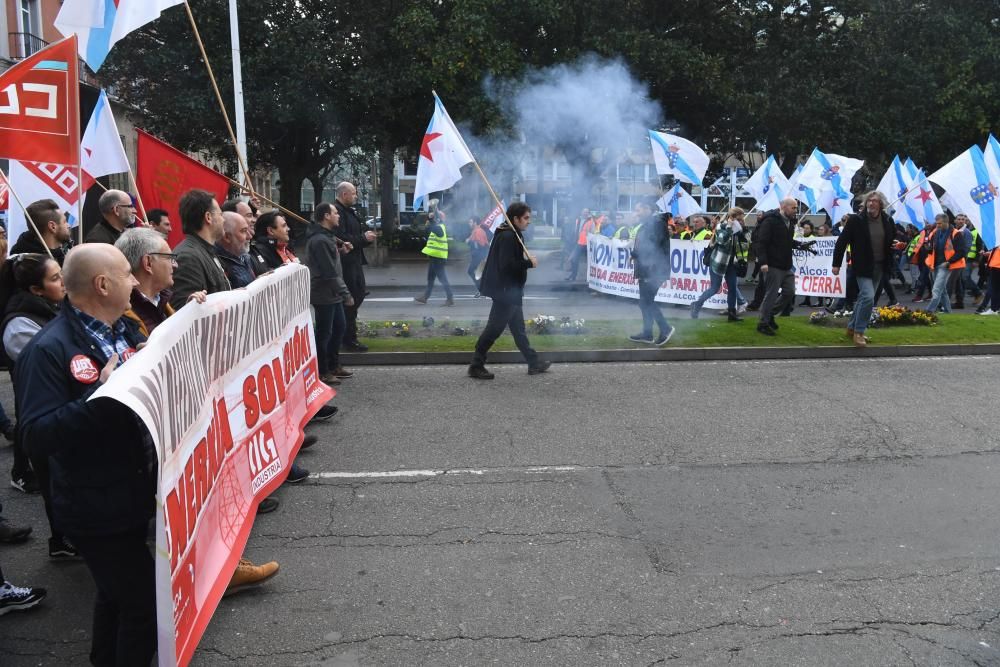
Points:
x=330 y=379
x=860 y=340
x=420 y=299
x=341 y=372
x=248 y=575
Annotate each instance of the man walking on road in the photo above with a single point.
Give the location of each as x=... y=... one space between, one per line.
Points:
x=352 y=231
x=503 y=280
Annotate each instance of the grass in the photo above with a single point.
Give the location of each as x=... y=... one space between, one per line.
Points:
x=708 y=331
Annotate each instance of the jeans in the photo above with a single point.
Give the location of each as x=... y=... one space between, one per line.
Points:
x=331 y=324
x=124 y=631
x=866 y=300
x=967 y=282
x=776 y=280
x=505 y=312
x=939 y=292
x=436 y=269
x=650 y=309
x=713 y=289
x=923 y=281
x=475 y=259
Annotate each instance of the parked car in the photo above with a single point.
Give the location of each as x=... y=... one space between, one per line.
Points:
x=374 y=224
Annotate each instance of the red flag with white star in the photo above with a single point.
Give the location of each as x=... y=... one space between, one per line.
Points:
x=443 y=153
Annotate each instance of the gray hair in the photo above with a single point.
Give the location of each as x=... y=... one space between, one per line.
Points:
x=137 y=243
x=229 y=221
x=110 y=199
x=882 y=199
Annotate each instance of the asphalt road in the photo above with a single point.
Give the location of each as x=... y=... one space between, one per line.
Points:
x=750 y=513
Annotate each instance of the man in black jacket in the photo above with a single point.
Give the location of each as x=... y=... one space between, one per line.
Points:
x=870 y=235
x=352 y=231
x=775 y=243
x=117 y=215
x=102 y=460
x=651 y=261
x=503 y=280
x=51 y=224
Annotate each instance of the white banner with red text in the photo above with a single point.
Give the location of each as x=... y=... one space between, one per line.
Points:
x=610 y=270
x=225 y=389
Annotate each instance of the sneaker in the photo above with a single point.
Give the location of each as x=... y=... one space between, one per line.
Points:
x=308 y=441
x=741 y=308
x=355 y=347
x=268 y=505
x=663 y=338
x=860 y=340
x=330 y=379
x=296 y=474
x=248 y=575
x=480 y=373
x=420 y=299
x=641 y=338
x=325 y=413
x=919 y=299
x=19 y=598
x=341 y=373
x=894 y=305
x=988 y=311
x=62 y=549
x=25 y=483
x=695 y=309
x=539 y=367
x=11 y=534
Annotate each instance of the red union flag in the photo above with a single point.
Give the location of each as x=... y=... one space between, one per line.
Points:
x=163 y=174
x=40 y=107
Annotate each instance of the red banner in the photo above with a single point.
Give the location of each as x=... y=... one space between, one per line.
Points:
x=4 y=194
x=164 y=174
x=40 y=106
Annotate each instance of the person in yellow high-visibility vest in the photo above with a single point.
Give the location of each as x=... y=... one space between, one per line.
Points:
x=436 y=249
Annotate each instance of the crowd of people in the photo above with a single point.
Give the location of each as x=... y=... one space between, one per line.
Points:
x=72 y=314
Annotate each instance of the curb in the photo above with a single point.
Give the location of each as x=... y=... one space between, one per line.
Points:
x=673 y=354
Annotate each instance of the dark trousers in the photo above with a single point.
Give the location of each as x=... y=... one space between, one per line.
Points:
x=40 y=464
x=355 y=279
x=436 y=269
x=885 y=285
x=125 y=609
x=956 y=287
x=331 y=324
x=923 y=280
x=503 y=314
x=574 y=262
x=777 y=280
x=650 y=309
x=475 y=259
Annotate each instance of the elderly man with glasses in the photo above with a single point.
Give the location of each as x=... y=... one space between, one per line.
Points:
x=152 y=265
x=117 y=215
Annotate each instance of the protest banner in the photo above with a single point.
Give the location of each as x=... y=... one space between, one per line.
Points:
x=225 y=389
x=610 y=271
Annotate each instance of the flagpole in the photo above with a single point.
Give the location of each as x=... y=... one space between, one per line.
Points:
x=24 y=208
x=265 y=199
x=218 y=97
x=489 y=187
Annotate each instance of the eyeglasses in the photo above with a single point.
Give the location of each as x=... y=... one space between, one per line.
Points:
x=129 y=205
x=166 y=255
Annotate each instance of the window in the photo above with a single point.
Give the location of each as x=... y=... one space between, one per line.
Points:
x=29 y=25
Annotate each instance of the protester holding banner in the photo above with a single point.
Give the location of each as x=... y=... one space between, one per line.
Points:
x=503 y=280
x=233 y=250
x=723 y=252
x=31 y=291
x=45 y=219
x=103 y=464
x=159 y=220
x=775 y=243
x=198 y=267
x=271 y=237
x=651 y=262
x=870 y=235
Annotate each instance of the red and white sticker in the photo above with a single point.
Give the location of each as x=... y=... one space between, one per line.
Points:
x=84 y=369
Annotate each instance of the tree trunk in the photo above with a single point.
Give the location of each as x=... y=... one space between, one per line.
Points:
x=290 y=191
x=386 y=164
x=317 y=184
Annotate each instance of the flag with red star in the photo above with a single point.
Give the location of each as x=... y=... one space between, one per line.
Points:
x=443 y=153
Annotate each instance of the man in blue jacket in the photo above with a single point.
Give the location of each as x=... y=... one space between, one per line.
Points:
x=102 y=461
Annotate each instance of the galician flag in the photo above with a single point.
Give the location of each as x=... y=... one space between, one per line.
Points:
x=975 y=189
x=767 y=185
x=826 y=170
x=803 y=193
x=921 y=197
x=896 y=184
x=678 y=202
x=678 y=157
x=443 y=153
x=100 y=24
x=102 y=152
x=835 y=205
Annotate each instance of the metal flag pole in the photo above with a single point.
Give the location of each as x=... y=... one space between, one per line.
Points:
x=24 y=208
x=241 y=123
x=218 y=97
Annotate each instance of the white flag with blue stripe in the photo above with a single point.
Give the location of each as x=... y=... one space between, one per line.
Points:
x=678 y=157
x=767 y=185
x=827 y=170
x=100 y=24
x=975 y=189
x=801 y=192
x=678 y=202
x=896 y=185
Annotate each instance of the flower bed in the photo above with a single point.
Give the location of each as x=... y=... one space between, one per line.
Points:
x=882 y=316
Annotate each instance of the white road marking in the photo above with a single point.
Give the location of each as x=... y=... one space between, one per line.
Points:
x=458 y=297
x=384 y=474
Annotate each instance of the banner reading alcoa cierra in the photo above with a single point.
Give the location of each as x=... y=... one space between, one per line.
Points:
x=225 y=389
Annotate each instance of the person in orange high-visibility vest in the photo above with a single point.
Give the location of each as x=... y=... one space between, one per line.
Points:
x=946 y=250
x=587 y=226
x=991 y=302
